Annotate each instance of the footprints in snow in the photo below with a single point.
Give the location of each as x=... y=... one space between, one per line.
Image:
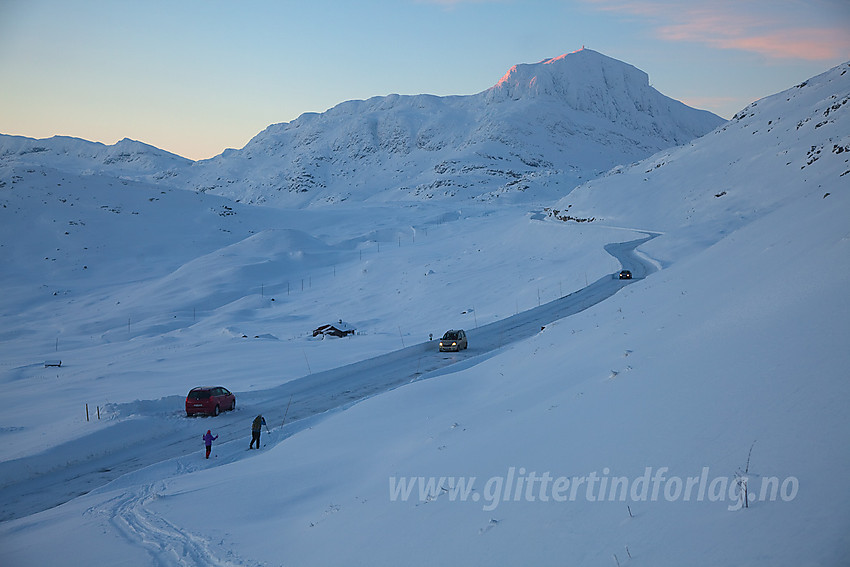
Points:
x=615 y=373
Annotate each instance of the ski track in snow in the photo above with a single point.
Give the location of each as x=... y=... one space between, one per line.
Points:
x=167 y=544
x=174 y=450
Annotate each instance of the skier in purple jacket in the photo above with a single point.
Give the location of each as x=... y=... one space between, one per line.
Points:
x=208 y=439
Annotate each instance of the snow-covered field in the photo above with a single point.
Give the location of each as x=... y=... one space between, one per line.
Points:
x=615 y=435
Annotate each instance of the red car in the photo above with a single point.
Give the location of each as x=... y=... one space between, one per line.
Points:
x=209 y=400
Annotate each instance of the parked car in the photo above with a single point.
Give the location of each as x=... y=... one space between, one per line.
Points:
x=453 y=340
x=209 y=400
x=625 y=275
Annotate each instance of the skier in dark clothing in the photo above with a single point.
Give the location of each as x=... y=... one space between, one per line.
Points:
x=208 y=439
x=256 y=429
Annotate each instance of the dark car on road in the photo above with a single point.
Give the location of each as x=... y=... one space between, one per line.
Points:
x=625 y=275
x=453 y=340
x=209 y=400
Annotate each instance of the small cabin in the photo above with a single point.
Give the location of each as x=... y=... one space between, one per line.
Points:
x=338 y=329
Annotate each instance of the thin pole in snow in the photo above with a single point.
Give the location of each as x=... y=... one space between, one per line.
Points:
x=286 y=412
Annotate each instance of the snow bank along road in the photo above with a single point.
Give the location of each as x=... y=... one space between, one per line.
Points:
x=152 y=436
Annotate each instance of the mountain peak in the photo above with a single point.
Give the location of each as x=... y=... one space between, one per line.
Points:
x=595 y=84
x=573 y=76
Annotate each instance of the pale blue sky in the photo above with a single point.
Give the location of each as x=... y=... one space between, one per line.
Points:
x=197 y=76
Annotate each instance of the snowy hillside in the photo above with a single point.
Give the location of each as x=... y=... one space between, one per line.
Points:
x=790 y=145
x=127 y=158
x=592 y=421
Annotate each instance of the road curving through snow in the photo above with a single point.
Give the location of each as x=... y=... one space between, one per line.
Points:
x=147 y=438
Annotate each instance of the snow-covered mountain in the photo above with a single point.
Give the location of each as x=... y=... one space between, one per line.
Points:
x=126 y=159
x=541 y=129
x=618 y=435
x=538 y=132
